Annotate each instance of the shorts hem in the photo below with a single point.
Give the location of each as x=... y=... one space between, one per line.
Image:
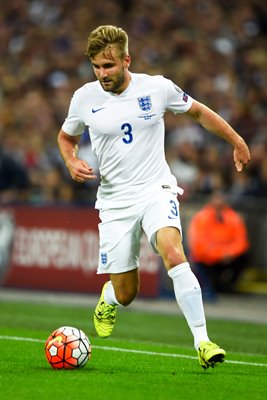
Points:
x=101 y=271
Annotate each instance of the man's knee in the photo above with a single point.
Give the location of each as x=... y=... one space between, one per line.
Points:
x=174 y=257
x=170 y=247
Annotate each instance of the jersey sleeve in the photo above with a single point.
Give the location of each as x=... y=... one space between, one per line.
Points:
x=177 y=100
x=73 y=124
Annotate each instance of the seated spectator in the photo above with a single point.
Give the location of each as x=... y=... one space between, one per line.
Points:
x=218 y=245
x=13 y=179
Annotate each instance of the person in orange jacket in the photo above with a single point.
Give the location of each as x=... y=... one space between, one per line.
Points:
x=218 y=245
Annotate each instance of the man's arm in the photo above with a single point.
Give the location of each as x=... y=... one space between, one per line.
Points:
x=80 y=171
x=217 y=125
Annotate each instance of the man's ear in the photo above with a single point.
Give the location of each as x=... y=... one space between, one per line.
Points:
x=127 y=61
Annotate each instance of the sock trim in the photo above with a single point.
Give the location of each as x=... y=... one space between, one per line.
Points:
x=179 y=269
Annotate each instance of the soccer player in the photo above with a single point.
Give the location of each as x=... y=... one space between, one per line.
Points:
x=124 y=112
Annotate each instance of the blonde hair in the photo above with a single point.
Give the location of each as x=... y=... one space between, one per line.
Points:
x=105 y=36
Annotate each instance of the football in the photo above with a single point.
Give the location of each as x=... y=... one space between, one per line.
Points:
x=67 y=348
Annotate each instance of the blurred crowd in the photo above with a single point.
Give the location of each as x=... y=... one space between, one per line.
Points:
x=215 y=50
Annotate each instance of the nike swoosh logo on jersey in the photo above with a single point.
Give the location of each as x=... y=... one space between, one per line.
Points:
x=94 y=110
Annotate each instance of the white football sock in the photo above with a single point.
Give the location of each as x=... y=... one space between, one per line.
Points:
x=188 y=296
x=109 y=295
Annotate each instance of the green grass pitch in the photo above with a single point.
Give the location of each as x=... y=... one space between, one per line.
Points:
x=149 y=356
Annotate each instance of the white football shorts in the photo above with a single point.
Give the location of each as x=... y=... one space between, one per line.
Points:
x=121 y=229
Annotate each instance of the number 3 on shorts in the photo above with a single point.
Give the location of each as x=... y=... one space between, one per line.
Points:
x=174 y=210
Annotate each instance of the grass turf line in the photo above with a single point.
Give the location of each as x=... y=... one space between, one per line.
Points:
x=119 y=349
x=130 y=372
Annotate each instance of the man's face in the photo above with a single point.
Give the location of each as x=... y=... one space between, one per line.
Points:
x=111 y=70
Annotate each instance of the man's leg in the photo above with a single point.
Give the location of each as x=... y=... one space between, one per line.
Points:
x=204 y=275
x=119 y=249
x=188 y=294
x=126 y=286
x=230 y=272
x=120 y=290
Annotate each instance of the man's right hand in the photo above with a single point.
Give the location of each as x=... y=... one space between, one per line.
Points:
x=80 y=171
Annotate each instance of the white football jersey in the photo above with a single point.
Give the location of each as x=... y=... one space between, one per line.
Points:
x=127 y=134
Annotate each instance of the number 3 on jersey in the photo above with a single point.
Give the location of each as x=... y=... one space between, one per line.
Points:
x=127 y=130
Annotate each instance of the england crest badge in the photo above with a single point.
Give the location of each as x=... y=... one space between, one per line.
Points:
x=104 y=258
x=145 y=103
